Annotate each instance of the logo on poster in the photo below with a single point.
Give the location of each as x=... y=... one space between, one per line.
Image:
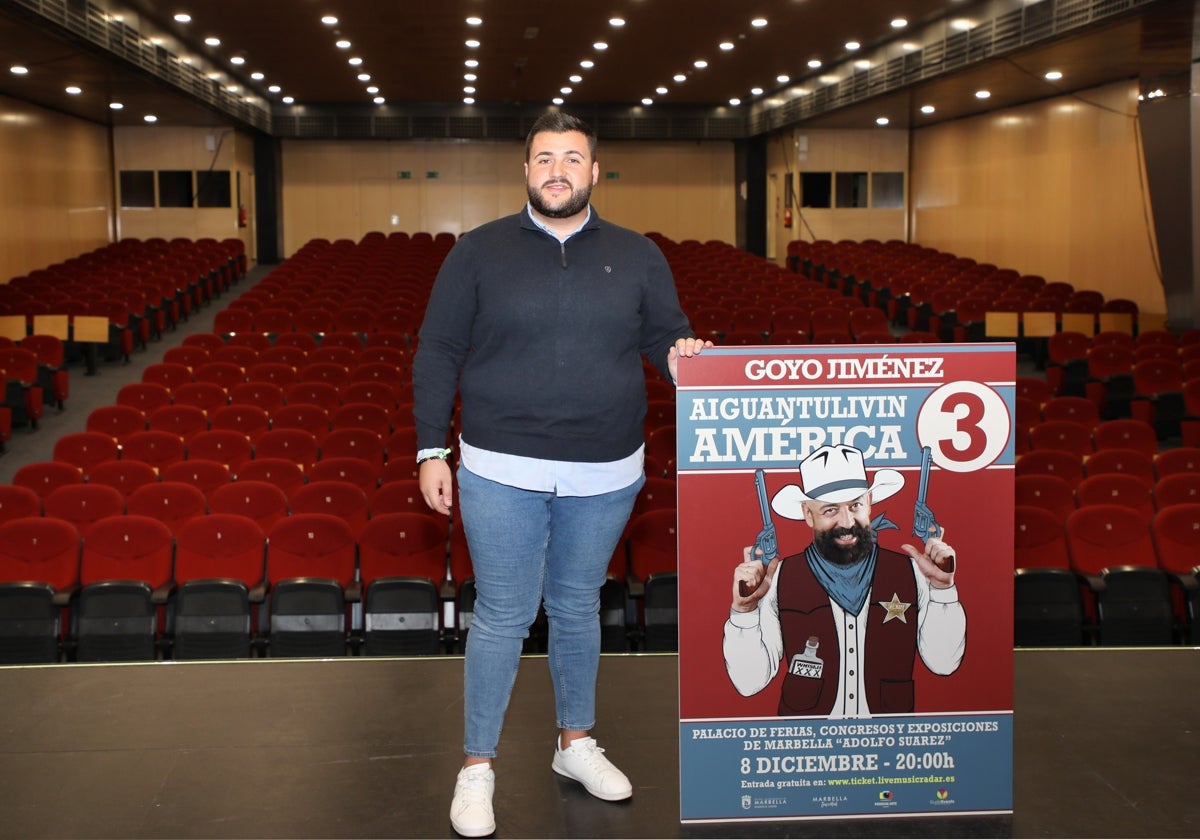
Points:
x=887 y=799
x=943 y=798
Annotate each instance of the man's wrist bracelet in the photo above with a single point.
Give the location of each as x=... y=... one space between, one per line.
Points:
x=439 y=454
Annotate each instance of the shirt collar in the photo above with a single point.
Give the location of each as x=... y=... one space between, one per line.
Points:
x=541 y=226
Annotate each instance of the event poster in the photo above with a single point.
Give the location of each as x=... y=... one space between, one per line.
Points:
x=845 y=574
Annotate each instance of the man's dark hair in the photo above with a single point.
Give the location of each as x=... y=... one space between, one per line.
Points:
x=557 y=122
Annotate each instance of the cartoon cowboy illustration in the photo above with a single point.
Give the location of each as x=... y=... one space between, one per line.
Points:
x=845 y=617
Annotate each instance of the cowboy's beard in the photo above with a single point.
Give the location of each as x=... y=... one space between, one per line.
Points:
x=845 y=555
x=572 y=203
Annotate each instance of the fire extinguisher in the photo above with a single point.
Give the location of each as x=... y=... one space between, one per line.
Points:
x=787 y=217
x=242 y=216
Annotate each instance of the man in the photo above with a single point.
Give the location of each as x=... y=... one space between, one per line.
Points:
x=539 y=321
x=846 y=616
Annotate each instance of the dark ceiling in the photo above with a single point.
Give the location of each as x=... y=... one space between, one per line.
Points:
x=415 y=52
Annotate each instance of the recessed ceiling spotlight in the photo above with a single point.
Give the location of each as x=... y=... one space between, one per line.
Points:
x=258 y=77
x=853 y=45
x=472 y=43
x=183 y=17
x=74 y=90
x=647 y=101
x=558 y=100
x=909 y=46
x=899 y=23
x=700 y=64
x=19 y=70
x=565 y=91
x=756 y=91
x=661 y=90
x=814 y=63
x=214 y=76
x=863 y=64
x=927 y=109
x=470 y=62
x=238 y=60
x=882 y=121
x=150 y=118
x=379 y=100
x=213 y=41
x=735 y=101
x=679 y=77
x=576 y=79
x=962 y=24
x=354 y=61
x=274 y=88
x=468 y=89
x=468 y=100
x=474 y=21
x=616 y=22
x=469 y=77
x=600 y=45
x=116 y=106
x=783 y=78
x=982 y=94
x=726 y=45
x=759 y=22
x=587 y=64
x=372 y=89
x=329 y=20
x=1054 y=75
x=342 y=44
x=288 y=100
x=232 y=88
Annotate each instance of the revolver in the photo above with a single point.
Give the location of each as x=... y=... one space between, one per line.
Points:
x=925 y=524
x=765 y=544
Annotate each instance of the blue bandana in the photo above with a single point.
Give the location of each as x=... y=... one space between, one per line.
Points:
x=848 y=586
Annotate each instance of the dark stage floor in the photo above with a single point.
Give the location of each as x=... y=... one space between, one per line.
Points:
x=1105 y=746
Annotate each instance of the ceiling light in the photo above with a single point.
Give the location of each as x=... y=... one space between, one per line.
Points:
x=74 y=90
x=469 y=77
x=150 y=118
x=214 y=76
x=379 y=100
x=468 y=100
x=982 y=94
x=468 y=89
x=962 y=24
x=679 y=77
x=18 y=70
x=726 y=45
x=342 y=44
x=470 y=62
x=116 y=106
x=1054 y=75
x=474 y=21
x=700 y=64
x=909 y=46
x=927 y=109
x=735 y=101
x=288 y=100
x=863 y=64
x=882 y=121
x=647 y=101
x=783 y=78
x=213 y=41
x=600 y=45
x=853 y=45
x=238 y=60
x=617 y=22
x=258 y=77
x=329 y=20
x=183 y=17
x=472 y=43
x=661 y=90
x=758 y=23
x=564 y=91
x=814 y=63
x=587 y=64
x=232 y=88
x=576 y=79
x=364 y=77
x=274 y=88
x=354 y=61
x=899 y=23
x=558 y=100
x=756 y=91
x=372 y=89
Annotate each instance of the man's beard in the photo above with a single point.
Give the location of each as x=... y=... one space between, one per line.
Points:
x=845 y=555
x=574 y=203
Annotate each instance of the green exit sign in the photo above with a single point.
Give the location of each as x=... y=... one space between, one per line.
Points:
x=432 y=173
x=613 y=176
x=403 y=174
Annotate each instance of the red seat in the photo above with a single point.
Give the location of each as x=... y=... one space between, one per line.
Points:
x=355 y=443
x=1103 y=536
x=127 y=548
x=248 y=420
x=1066 y=465
x=265 y=395
x=1035 y=389
x=19 y=502
x=206 y=396
x=261 y=501
x=277 y=373
x=342 y=499
x=303 y=416
x=225 y=374
x=294 y=445
x=1177 y=489
x=283 y=473
x=235 y=354
x=330 y=372
x=171 y=502
x=362 y=474
x=311 y=545
x=302 y=341
x=85 y=449
x=344 y=356
x=37 y=548
x=399 y=496
x=1126 y=433
x=361 y=415
x=1178 y=459
x=404 y=544
x=1115 y=489
x=125 y=476
x=375 y=372
x=84 y=504
x=1075 y=409
x=1049 y=492
x=116 y=421
x=377 y=393
x=156 y=448
x=187 y=355
x=1129 y=462
x=282 y=354
x=167 y=374
x=44 y=477
x=653 y=543
x=1174 y=531
x=144 y=396
x=320 y=394
x=183 y=421
x=224 y=446
x=1062 y=435
x=220 y=545
x=205 y=475
x=209 y=341
x=1039 y=539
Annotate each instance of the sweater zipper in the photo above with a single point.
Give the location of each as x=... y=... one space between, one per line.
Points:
x=562 y=247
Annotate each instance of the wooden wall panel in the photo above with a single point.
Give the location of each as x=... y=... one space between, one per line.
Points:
x=331 y=190
x=1052 y=188
x=57 y=197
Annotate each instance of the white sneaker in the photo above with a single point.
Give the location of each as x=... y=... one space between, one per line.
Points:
x=471 y=810
x=584 y=762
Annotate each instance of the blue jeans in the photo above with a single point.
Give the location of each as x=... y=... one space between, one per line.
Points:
x=527 y=547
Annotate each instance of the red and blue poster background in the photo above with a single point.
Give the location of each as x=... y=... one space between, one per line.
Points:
x=745 y=409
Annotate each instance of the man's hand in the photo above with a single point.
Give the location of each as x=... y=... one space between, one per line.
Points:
x=683 y=347
x=936 y=562
x=755 y=576
x=436 y=486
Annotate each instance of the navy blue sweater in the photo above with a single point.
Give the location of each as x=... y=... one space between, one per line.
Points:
x=544 y=340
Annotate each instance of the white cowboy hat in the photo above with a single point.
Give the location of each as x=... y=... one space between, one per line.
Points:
x=834 y=474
